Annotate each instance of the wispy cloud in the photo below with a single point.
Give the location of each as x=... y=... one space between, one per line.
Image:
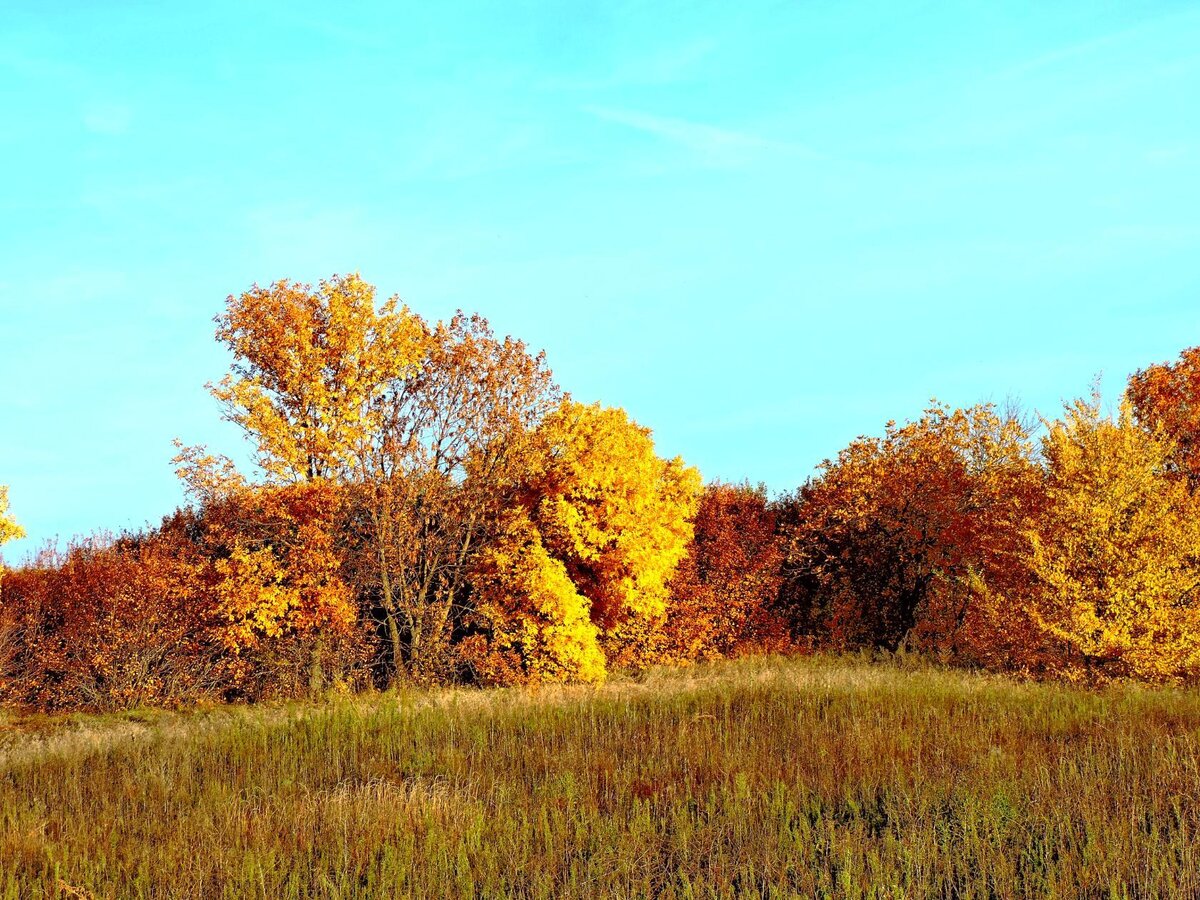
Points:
x=715 y=145
x=1090 y=46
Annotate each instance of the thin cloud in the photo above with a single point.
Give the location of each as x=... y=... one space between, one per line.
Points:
x=716 y=145
x=1090 y=46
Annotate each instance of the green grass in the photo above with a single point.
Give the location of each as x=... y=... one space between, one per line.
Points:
x=762 y=778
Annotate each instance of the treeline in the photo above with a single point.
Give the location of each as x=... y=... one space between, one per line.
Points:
x=430 y=507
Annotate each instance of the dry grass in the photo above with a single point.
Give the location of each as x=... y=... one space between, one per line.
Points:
x=761 y=778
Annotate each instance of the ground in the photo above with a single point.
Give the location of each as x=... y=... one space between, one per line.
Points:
x=774 y=777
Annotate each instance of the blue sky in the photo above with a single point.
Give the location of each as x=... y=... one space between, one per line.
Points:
x=763 y=228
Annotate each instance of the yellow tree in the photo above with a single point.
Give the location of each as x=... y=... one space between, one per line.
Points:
x=539 y=625
x=1116 y=555
x=312 y=372
x=617 y=515
x=9 y=529
x=603 y=523
x=311 y=367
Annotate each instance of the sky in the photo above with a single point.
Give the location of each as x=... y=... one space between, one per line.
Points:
x=763 y=228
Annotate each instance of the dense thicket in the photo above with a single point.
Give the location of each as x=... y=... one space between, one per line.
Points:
x=429 y=506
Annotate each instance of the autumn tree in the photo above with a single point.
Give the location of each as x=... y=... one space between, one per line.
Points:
x=617 y=514
x=419 y=425
x=311 y=367
x=241 y=598
x=448 y=465
x=107 y=624
x=273 y=572
x=601 y=514
x=894 y=540
x=313 y=372
x=1115 y=557
x=724 y=594
x=1166 y=397
x=9 y=529
x=529 y=622
x=11 y=636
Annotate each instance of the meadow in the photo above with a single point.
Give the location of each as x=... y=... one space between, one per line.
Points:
x=771 y=777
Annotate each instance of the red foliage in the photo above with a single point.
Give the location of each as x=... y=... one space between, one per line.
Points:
x=242 y=599
x=1167 y=397
x=724 y=592
x=915 y=538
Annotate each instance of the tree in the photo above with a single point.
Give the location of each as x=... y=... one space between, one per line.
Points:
x=420 y=425
x=449 y=462
x=10 y=623
x=538 y=625
x=1166 y=397
x=242 y=598
x=602 y=514
x=617 y=515
x=892 y=542
x=9 y=529
x=1115 y=557
x=107 y=624
x=725 y=591
x=311 y=367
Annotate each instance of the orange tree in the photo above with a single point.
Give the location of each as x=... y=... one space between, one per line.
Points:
x=240 y=599
x=273 y=586
x=915 y=537
x=11 y=630
x=418 y=424
x=109 y=623
x=1166 y=397
x=724 y=594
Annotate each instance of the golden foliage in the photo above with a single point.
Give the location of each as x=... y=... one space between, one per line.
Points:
x=1115 y=558
x=420 y=423
x=207 y=477
x=603 y=524
x=9 y=529
x=311 y=367
x=430 y=489
x=275 y=563
x=540 y=627
x=616 y=514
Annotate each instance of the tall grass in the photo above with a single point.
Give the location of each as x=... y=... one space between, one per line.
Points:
x=762 y=778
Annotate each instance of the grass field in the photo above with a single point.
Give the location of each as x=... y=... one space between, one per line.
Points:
x=762 y=778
